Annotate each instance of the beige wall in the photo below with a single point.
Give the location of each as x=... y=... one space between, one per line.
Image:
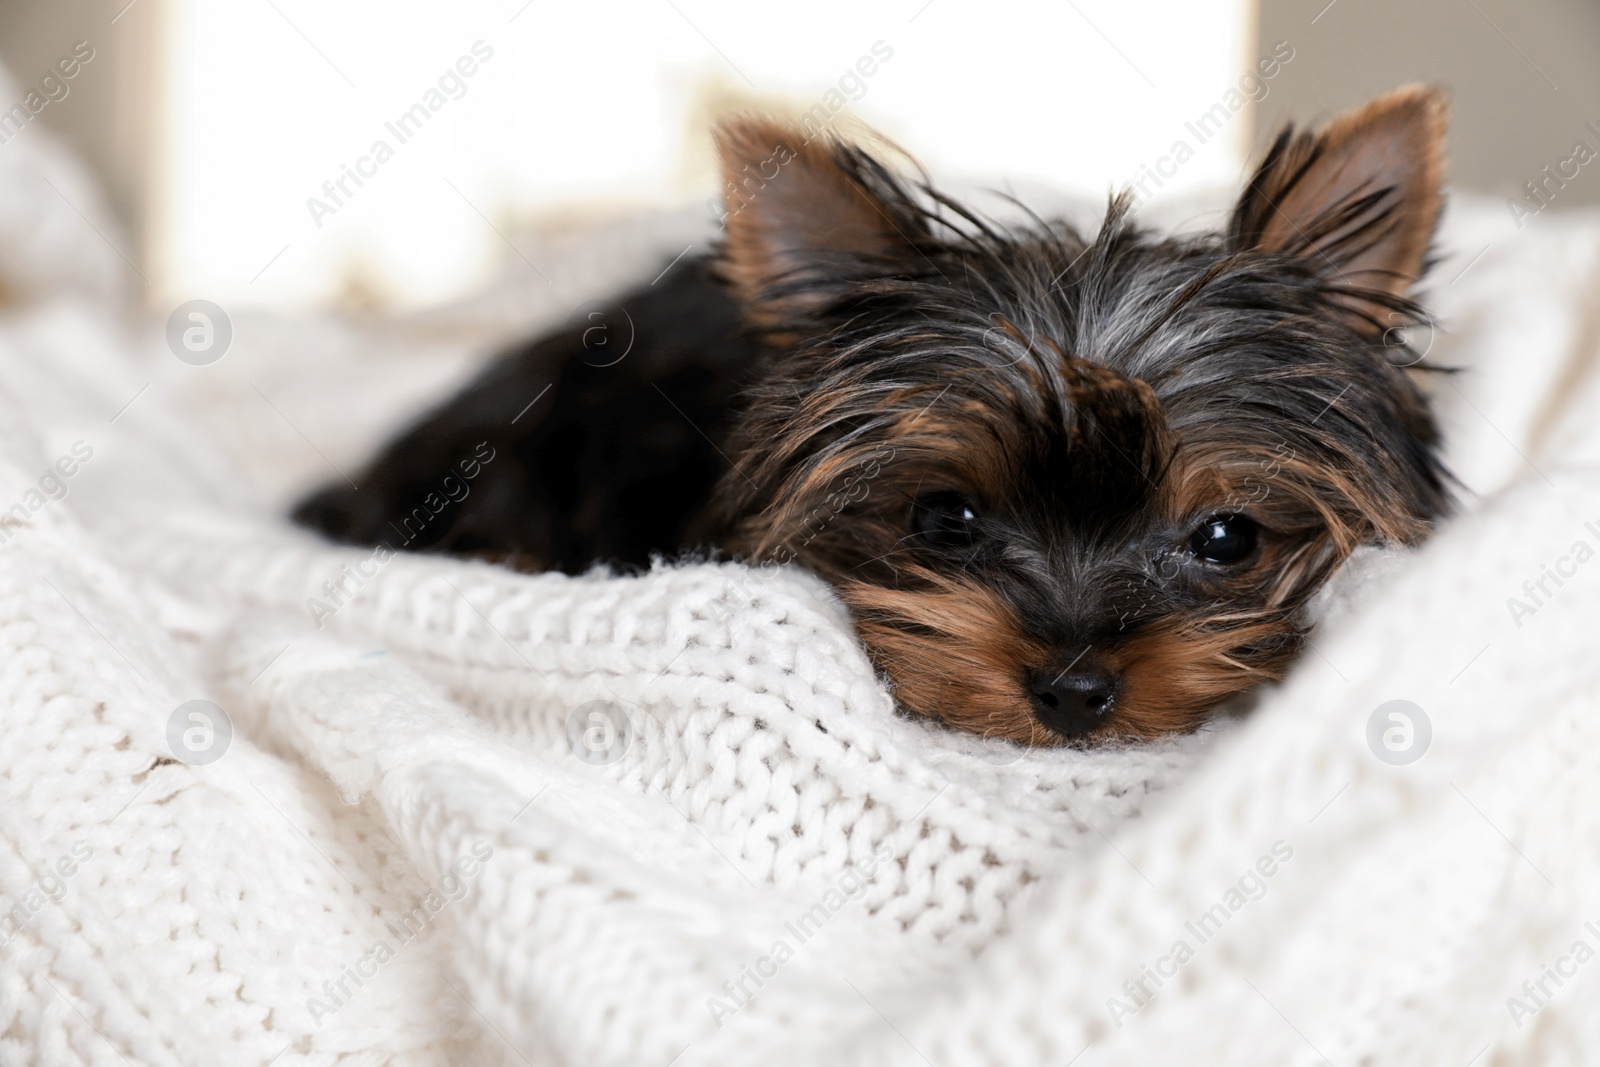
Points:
x=1524 y=74
x=107 y=116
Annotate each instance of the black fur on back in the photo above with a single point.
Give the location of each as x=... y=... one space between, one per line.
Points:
x=613 y=463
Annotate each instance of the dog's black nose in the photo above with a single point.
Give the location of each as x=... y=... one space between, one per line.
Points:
x=1074 y=701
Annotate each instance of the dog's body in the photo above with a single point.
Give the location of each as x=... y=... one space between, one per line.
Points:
x=1072 y=487
x=598 y=455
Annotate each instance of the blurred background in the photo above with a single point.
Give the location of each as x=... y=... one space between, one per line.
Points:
x=390 y=156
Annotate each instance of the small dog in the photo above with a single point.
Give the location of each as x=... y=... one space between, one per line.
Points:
x=1073 y=488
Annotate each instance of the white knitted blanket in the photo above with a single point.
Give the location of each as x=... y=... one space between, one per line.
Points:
x=476 y=817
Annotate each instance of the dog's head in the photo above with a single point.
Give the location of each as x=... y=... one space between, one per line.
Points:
x=1073 y=487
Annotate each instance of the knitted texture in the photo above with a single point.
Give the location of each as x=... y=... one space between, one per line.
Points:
x=467 y=816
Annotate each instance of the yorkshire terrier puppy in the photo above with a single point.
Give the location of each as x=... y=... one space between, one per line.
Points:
x=1073 y=487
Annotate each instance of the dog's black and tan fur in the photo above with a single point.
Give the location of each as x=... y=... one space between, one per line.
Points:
x=1095 y=479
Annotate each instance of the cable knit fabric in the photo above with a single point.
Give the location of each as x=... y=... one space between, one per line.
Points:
x=410 y=851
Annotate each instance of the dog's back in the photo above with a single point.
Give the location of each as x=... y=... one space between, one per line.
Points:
x=599 y=442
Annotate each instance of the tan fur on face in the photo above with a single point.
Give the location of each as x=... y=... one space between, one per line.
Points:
x=965 y=664
x=967 y=656
x=1173 y=675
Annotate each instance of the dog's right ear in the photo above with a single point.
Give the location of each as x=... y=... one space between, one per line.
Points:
x=804 y=218
x=1358 y=201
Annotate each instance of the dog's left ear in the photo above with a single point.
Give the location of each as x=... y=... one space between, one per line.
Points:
x=1360 y=199
x=804 y=217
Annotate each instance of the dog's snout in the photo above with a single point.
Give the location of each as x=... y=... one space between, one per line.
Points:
x=1074 y=700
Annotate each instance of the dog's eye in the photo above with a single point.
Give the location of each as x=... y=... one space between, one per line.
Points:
x=1224 y=539
x=944 y=519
